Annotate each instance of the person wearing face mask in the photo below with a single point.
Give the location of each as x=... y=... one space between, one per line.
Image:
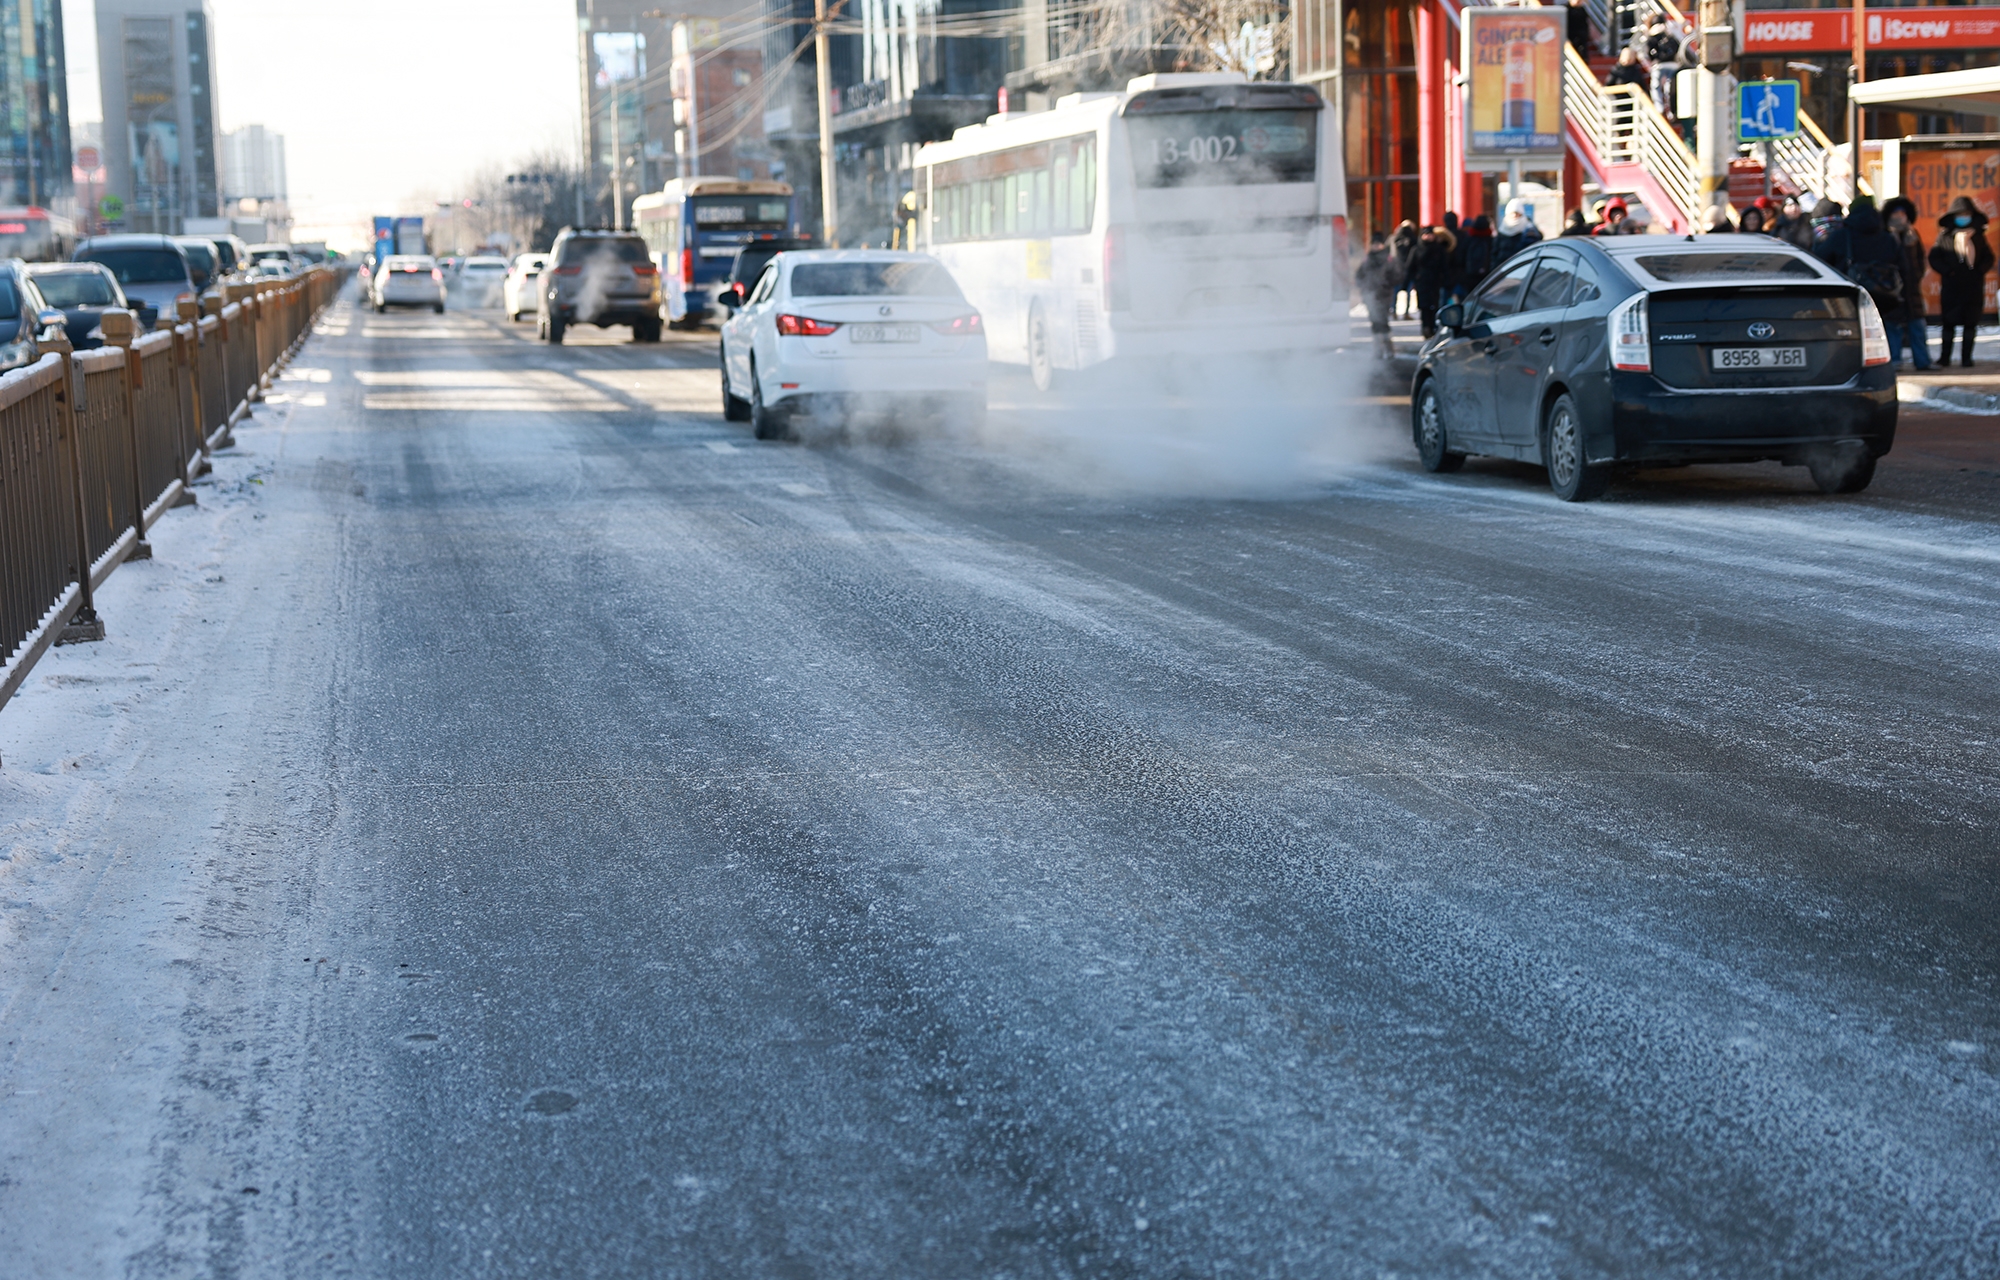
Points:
x=1961 y=257
x=1907 y=323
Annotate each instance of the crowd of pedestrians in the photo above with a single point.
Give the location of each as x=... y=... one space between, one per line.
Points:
x=1419 y=270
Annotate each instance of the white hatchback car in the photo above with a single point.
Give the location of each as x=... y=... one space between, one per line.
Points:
x=835 y=332
x=517 y=295
x=408 y=280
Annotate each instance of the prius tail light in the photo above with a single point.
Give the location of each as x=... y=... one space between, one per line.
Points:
x=1631 y=339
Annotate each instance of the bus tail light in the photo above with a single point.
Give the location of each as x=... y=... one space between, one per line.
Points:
x=1343 y=275
x=1631 y=340
x=805 y=327
x=960 y=326
x=1117 y=287
x=687 y=266
x=1874 y=338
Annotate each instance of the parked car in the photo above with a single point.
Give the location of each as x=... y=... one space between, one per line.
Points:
x=82 y=291
x=835 y=331
x=1580 y=355
x=517 y=295
x=256 y=253
x=408 y=280
x=152 y=270
x=479 y=281
x=601 y=278
x=202 y=261
x=24 y=316
x=272 y=269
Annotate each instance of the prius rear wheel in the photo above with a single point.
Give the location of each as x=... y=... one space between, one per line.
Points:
x=1571 y=475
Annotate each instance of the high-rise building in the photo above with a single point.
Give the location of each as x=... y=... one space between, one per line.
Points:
x=34 y=106
x=629 y=91
x=253 y=164
x=156 y=67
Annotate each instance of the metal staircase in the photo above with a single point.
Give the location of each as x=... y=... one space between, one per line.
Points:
x=1627 y=144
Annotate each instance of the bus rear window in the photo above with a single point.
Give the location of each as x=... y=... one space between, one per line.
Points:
x=872 y=280
x=726 y=213
x=1224 y=148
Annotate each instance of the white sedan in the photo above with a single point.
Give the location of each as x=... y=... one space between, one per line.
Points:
x=836 y=332
x=480 y=281
x=518 y=294
x=408 y=280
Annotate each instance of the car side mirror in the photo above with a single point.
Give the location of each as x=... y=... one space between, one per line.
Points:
x=51 y=316
x=1452 y=317
x=732 y=297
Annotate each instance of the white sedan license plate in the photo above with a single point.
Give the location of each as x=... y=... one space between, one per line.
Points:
x=1759 y=357
x=883 y=333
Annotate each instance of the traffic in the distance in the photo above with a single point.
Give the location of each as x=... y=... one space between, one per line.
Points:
x=1202 y=215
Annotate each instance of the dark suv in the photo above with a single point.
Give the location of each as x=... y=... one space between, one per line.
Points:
x=1650 y=349
x=601 y=278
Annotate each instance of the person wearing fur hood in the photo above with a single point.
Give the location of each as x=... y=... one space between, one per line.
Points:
x=1961 y=257
x=1517 y=231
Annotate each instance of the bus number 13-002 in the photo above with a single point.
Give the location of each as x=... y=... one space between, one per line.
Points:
x=1207 y=150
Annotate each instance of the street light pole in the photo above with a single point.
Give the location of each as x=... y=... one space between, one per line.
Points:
x=828 y=215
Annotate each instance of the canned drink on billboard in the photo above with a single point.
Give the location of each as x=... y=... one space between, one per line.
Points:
x=1514 y=81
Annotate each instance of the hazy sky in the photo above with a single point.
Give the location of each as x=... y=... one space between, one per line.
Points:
x=380 y=101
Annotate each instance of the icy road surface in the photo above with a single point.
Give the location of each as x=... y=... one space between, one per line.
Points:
x=521 y=826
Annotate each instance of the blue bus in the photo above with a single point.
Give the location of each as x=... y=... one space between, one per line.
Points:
x=693 y=228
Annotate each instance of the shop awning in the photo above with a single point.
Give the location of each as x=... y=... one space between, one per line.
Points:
x=1974 y=92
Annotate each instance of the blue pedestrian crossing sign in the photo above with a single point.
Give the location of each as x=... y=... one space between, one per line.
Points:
x=1767 y=109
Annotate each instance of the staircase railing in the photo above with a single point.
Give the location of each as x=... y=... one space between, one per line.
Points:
x=1627 y=130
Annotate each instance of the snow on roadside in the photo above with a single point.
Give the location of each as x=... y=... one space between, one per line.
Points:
x=80 y=722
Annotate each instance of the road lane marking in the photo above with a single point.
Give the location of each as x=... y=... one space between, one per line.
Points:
x=720 y=446
x=803 y=491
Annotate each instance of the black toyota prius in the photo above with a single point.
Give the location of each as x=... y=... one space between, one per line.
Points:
x=1580 y=355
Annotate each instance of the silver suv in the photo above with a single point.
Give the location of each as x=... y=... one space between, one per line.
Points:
x=601 y=278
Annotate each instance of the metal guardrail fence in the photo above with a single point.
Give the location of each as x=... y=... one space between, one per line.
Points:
x=96 y=445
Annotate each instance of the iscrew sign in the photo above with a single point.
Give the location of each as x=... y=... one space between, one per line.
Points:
x=1832 y=30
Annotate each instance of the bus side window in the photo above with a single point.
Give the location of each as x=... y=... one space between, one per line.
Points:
x=1042 y=201
x=1086 y=170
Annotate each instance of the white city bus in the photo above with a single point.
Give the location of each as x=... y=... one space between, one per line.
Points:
x=693 y=228
x=1192 y=214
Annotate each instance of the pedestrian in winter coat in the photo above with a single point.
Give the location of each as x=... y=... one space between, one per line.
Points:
x=1757 y=219
x=1430 y=265
x=1454 y=276
x=1617 y=219
x=1663 y=51
x=1716 y=218
x=1403 y=247
x=1907 y=325
x=1475 y=254
x=1829 y=235
x=1577 y=225
x=1579 y=26
x=1874 y=258
x=1377 y=280
x=1629 y=69
x=1517 y=231
x=1961 y=257
x=1793 y=226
